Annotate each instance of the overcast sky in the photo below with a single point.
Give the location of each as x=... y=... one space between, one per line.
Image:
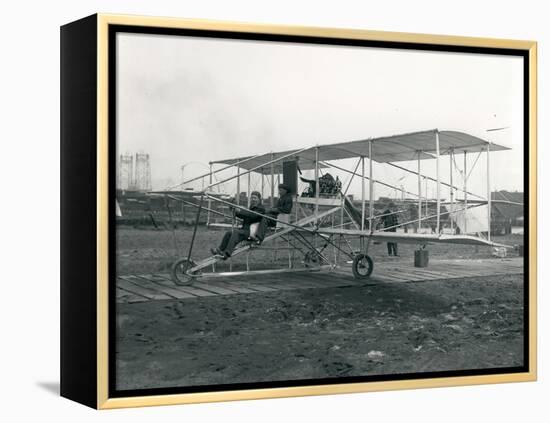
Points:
x=188 y=101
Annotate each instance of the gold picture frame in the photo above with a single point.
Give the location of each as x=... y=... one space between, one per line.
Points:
x=86 y=379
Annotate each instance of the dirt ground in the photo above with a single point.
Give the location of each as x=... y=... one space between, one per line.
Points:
x=379 y=328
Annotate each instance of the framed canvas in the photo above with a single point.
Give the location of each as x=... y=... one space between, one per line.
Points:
x=260 y=211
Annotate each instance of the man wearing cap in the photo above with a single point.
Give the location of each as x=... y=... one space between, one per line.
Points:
x=232 y=238
x=283 y=206
x=284 y=203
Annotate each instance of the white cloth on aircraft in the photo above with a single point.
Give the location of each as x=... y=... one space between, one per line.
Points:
x=254 y=229
x=472 y=220
x=283 y=218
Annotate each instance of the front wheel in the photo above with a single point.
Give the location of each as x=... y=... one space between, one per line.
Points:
x=179 y=272
x=362 y=266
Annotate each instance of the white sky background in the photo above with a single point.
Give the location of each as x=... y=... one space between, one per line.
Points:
x=187 y=100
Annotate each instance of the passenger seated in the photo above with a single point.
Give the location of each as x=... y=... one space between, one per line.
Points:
x=283 y=208
x=232 y=238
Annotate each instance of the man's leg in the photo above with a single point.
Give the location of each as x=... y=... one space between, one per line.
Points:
x=272 y=223
x=394 y=248
x=223 y=245
x=225 y=240
x=389 y=248
x=237 y=236
x=260 y=235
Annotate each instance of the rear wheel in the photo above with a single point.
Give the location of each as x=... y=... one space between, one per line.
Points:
x=362 y=266
x=179 y=272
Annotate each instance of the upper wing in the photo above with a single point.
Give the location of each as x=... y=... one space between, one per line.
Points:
x=395 y=148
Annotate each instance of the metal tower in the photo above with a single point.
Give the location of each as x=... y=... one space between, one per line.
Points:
x=125 y=179
x=143 y=172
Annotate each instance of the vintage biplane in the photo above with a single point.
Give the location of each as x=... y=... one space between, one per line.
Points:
x=326 y=229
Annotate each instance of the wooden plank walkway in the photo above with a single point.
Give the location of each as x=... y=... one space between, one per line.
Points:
x=141 y=288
